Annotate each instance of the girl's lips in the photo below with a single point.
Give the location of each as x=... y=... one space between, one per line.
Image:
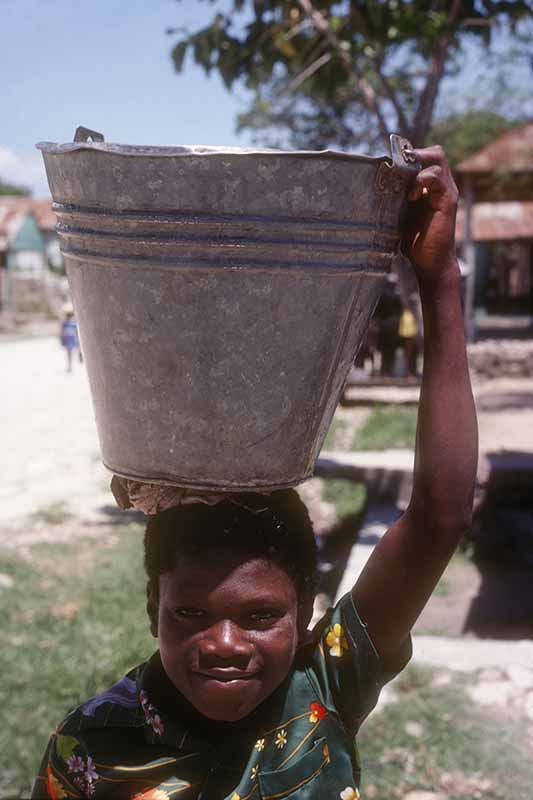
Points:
x=222 y=675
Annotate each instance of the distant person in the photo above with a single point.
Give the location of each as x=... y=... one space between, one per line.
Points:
x=388 y=313
x=69 y=338
x=408 y=333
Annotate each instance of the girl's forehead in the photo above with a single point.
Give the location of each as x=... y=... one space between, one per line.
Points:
x=219 y=573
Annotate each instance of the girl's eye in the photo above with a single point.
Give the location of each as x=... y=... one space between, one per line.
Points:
x=263 y=616
x=189 y=613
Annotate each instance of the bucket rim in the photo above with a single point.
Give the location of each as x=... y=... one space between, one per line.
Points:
x=184 y=151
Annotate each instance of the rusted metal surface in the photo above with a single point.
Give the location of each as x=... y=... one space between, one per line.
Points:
x=221 y=297
x=498 y=222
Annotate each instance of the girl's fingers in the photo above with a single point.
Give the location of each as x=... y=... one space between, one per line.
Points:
x=435 y=177
x=429 y=181
x=431 y=155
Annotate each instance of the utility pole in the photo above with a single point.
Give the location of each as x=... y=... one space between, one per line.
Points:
x=469 y=254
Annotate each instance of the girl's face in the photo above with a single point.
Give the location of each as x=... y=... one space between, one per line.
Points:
x=228 y=631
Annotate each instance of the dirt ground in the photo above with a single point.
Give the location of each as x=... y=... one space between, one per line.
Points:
x=49 y=459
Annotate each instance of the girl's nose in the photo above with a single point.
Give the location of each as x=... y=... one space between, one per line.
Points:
x=225 y=641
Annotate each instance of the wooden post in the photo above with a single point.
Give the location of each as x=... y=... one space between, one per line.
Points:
x=469 y=255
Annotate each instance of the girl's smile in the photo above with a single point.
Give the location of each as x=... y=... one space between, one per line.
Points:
x=228 y=630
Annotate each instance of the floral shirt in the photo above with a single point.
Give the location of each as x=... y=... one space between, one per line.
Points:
x=298 y=744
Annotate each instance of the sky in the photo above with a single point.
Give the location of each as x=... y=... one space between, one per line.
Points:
x=104 y=64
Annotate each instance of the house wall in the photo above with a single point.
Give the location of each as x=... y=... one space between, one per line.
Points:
x=53 y=253
x=504 y=277
x=26 y=261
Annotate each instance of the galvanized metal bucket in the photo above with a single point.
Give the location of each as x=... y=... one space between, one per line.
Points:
x=221 y=297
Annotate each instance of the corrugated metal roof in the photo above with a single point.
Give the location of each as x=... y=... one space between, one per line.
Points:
x=498 y=221
x=512 y=152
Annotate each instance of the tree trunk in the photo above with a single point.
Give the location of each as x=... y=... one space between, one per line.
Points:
x=424 y=113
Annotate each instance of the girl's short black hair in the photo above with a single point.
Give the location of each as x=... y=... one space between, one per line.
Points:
x=275 y=526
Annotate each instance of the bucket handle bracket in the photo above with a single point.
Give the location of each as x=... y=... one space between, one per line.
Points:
x=403 y=155
x=394 y=178
x=83 y=134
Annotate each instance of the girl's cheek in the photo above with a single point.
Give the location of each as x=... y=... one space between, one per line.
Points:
x=281 y=640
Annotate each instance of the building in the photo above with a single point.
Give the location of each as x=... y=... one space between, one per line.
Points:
x=28 y=248
x=495 y=223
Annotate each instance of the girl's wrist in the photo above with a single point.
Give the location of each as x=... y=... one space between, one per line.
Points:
x=446 y=279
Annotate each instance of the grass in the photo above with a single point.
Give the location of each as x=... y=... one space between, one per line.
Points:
x=348 y=497
x=386 y=427
x=460 y=750
x=73 y=624
x=335 y=430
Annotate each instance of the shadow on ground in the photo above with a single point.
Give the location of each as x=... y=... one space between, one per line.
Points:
x=502 y=545
x=503 y=607
x=113 y=515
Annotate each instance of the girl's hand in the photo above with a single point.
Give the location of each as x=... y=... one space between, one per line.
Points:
x=429 y=238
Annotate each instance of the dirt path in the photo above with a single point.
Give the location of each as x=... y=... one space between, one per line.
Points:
x=49 y=459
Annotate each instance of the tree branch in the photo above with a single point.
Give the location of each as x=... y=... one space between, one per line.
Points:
x=424 y=112
x=389 y=91
x=310 y=70
x=378 y=66
x=369 y=98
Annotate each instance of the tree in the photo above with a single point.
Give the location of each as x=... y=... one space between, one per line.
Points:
x=329 y=72
x=462 y=135
x=12 y=189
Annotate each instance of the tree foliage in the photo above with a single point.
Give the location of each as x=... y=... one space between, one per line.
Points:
x=462 y=135
x=324 y=71
x=13 y=189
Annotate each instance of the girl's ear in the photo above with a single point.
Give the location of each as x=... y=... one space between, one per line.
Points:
x=152 y=607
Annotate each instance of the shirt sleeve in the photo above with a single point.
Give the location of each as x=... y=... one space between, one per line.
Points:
x=350 y=670
x=64 y=770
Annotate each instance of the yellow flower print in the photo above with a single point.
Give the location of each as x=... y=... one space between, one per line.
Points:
x=259 y=745
x=336 y=641
x=235 y=796
x=350 y=794
x=255 y=770
x=281 y=739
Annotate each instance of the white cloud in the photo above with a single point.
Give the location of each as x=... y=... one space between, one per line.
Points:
x=24 y=169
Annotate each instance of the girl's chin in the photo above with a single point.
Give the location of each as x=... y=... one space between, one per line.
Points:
x=227 y=701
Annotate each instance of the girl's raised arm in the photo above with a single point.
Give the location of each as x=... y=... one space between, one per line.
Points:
x=406 y=565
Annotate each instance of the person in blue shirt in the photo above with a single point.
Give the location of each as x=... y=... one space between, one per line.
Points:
x=69 y=338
